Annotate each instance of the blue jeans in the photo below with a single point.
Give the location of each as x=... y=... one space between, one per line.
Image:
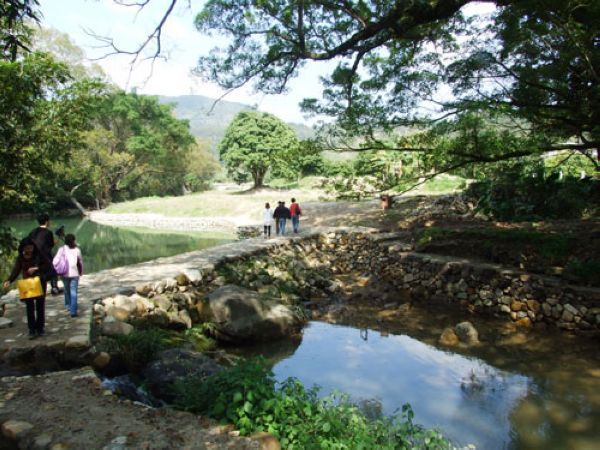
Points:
x=281 y=226
x=296 y=223
x=70 y=285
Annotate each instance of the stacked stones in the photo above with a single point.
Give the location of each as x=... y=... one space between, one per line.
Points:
x=175 y=304
x=523 y=297
x=248 y=232
x=303 y=268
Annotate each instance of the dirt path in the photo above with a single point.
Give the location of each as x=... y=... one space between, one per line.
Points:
x=73 y=411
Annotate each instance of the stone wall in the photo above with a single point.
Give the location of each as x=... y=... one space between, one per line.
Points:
x=300 y=269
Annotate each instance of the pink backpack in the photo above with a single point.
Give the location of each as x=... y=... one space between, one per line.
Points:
x=60 y=262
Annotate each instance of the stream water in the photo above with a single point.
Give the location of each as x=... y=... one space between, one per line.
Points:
x=489 y=397
x=106 y=247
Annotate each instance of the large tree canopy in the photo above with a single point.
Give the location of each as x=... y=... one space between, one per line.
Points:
x=255 y=142
x=533 y=64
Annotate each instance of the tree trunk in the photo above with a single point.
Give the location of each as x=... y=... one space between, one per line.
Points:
x=258 y=179
x=78 y=205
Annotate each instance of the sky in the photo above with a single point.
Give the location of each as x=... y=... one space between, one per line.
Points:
x=183 y=46
x=129 y=26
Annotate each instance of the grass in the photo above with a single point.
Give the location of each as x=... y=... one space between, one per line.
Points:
x=442 y=184
x=215 y=203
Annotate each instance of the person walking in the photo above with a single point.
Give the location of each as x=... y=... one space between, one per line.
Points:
x=285 y=215
x=267 y=217
x=295 y=212
x=28 y=265
x=72 y=254
x=278 y=215
x=43 y=239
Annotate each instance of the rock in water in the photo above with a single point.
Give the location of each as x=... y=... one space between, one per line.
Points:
x=176 y=363
x=448 y=338
x=467 y=333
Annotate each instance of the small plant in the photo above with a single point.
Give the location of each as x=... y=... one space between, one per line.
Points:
x=139 y=347
x=199 y=336
x=248 y=396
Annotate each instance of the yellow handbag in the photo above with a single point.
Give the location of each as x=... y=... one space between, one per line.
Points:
x=30 y=288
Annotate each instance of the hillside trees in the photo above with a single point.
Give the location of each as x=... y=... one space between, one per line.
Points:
x=256 y=142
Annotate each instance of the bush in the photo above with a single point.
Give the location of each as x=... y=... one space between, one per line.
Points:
x=247 y=396
x=139 y=347
x=518 y=194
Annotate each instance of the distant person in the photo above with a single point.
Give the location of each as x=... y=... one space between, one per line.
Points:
x=295 y=212
x=70 y=279
x=267 y=217
x=278 y=215
x=284 y=215
x=43 y=240
x=28 y=265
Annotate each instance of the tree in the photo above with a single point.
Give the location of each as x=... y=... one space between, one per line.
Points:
x=535 y=62
x=137 y=147
x=255 y=142
x=14 y=33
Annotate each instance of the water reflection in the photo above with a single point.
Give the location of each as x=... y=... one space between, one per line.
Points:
x=471 y=401
x=106 y=247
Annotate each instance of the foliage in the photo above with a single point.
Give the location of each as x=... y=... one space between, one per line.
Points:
x=15 y=35
x=199 y=337
x=585 y=272
x=523 y=79
x=248 y=396
x=523 y=192
x=139 y=347
x=553 y=248
x=256 y=142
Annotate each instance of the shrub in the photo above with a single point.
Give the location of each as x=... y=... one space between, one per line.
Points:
x=516 y=193
x=139 y=347
x=248 y=396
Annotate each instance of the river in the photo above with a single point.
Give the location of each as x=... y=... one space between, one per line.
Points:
x=106 y=247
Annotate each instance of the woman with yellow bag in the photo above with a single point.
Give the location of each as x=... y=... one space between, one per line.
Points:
x=32 y=289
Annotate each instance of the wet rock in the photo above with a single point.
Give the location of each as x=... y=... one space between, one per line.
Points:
x=448 y=338
x=5 y=322
x=173 y=364
x=467 y=333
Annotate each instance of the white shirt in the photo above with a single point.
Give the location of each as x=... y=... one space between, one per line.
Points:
x=73 y=255
x=267 y=216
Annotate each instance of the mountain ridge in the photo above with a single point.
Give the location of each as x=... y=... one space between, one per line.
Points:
x=211 y=125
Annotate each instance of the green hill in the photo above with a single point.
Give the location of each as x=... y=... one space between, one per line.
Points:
x=211 y=125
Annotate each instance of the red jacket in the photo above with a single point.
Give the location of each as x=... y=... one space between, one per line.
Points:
x=295 y=209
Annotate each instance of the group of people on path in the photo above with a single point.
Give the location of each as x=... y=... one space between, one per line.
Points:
x=281 y=215
x=35 y=259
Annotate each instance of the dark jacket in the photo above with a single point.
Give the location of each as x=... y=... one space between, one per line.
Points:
x=281 y=212
x=44 y=241
x=21 y=266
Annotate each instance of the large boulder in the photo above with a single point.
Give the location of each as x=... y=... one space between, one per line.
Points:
x=242 y=315
x=176 y=363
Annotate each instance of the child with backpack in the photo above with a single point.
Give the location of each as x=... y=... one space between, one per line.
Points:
x=68 y=263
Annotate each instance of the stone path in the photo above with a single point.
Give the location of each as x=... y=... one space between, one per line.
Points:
x=65 y=333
